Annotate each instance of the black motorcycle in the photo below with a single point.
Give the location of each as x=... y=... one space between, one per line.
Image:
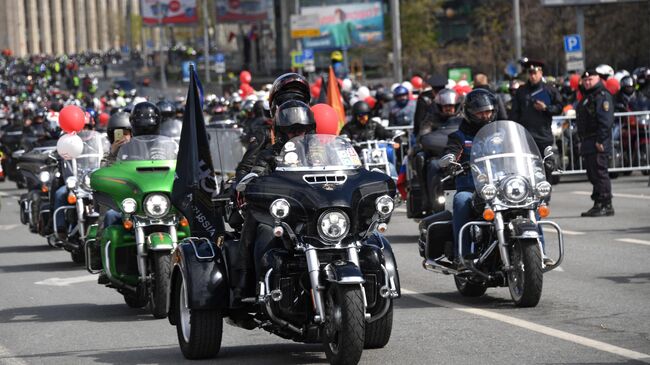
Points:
x=38 y=168
x=324 y=273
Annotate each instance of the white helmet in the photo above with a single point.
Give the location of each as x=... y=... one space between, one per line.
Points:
x=605 y=71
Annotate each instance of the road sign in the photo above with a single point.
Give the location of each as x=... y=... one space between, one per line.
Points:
x=572 y=43
x=305 y=26
x=574 y=56
x=296 y=59
x=575 y=65
x=308 y=60
x=220 y=63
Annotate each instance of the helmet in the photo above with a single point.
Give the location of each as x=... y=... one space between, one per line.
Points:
x=360 y=108
x=337 y=56
x=476 y=101
x=145 y=119
x=628 y=85
x=447 y=97
x=292 y=117
x=290 y=86
x=400 y=94
x=167 y=108
x=119 y=120
x=605 y=71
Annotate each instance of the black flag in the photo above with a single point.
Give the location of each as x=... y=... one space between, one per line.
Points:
x=195 y=183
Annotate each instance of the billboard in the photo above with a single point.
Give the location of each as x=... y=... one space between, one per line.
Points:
x=243 y=10
x=346 y=25
x=582 y=2
x=171 y=11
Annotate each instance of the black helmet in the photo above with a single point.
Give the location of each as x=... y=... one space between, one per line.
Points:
x=292 y=117
x=145 y=119
x=167 y=108
x=290 y=86
x=479 y=100
x=119 y=120
x=360 y=108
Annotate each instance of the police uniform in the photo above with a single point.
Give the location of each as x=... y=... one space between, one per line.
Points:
x=594 y=118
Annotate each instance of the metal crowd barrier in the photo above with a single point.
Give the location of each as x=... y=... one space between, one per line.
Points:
x=630 y=139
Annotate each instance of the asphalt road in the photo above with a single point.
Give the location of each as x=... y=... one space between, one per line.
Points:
x=594 y=309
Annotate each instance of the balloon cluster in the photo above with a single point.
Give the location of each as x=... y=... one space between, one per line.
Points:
x=71 y=120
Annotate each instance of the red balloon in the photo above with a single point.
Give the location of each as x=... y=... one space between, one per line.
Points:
x=103 y=119
x=319 y=81
x=72 y=119
x=245 y=77
x=416 y=81
x=612 y=85
x=327 y=122
x=574 y=81
x=315 y=91
x=370 y=101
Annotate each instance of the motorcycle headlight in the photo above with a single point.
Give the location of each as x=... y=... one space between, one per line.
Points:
x=515 y=189
x=543 y=189
x=44 y=176
x=71 y=182
x=156 y=205
x=384 y=205
x=489 y=192
x=333 y=225
x=129 y=205
x=279 y=208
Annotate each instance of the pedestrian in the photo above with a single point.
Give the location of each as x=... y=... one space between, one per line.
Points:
x=594 y=118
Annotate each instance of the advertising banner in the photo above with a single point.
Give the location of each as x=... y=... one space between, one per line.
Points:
x=171 y=11
x=243 y=10
x=346 y=25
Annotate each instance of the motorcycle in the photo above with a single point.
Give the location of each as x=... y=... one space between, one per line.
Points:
x=511 y=186
x=379 y=155
x=324 y=273
x=10 y=142
x=134 y=256
x=38 y=168
x=80 y=213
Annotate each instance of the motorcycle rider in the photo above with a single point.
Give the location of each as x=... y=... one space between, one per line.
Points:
x=425 y=108
x=170 y=126
x=292 y=118
x=361 y=128
x=402 y=110
x=629 y=99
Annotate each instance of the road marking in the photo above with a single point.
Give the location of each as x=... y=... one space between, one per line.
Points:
x=616 y=195
x=564 y=231
x=634 y=240
x=7 y=358
x=566 y=336
x=67 y=281
x=7 y=227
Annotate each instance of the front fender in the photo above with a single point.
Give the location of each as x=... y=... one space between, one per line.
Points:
x=206 y=278
x=523 y=228
x=376 y=251
x=343 y=272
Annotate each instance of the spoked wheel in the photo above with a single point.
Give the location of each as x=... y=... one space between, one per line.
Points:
x=345 y=324
x=160 y=284
x=526 y=277
x=198 y=331
x=468 y=288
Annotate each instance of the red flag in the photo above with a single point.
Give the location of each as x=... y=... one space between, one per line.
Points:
x=334 y=98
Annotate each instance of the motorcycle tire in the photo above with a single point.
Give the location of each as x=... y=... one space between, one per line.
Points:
x=468 y=288
x=78 y=256
x=160 y=285
x=344 y=338
x=378 y=332
x=199 y=332
x=135 y=301
x=525 y=280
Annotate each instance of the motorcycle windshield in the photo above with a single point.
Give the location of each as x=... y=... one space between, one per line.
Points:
x=318 y=152
x=502 y=149
x=146 y=148
x=95 y=147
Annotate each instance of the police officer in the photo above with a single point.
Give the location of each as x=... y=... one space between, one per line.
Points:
x=534 y=105
x=594 y=117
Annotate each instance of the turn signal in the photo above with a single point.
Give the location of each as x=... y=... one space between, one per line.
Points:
x=44 y=189
x=127 y=224
x=184 y=222
x=488 y=214
x=72 y=199
x=543 y=211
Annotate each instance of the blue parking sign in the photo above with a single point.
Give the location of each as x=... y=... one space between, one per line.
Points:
x=572 y=43
x=307 y=54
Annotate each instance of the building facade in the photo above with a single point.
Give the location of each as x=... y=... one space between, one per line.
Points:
x=64 y=26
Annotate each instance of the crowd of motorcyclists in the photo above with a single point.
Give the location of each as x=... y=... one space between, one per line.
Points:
x=425 y=130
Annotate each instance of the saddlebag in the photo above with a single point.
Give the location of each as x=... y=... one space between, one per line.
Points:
x=436 y=236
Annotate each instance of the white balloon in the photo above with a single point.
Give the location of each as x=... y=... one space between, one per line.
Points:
x=408 y=85
x=347 y=85
x=393 y=86
x=450 y=84
x=363 y=92
x=69 y=146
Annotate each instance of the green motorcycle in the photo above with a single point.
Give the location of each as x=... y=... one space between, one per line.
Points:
x=133 y=256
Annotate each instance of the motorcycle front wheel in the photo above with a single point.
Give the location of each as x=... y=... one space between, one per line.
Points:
x=345 y=324
x=526 y=277
x=199 y=331
x=160 y=285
